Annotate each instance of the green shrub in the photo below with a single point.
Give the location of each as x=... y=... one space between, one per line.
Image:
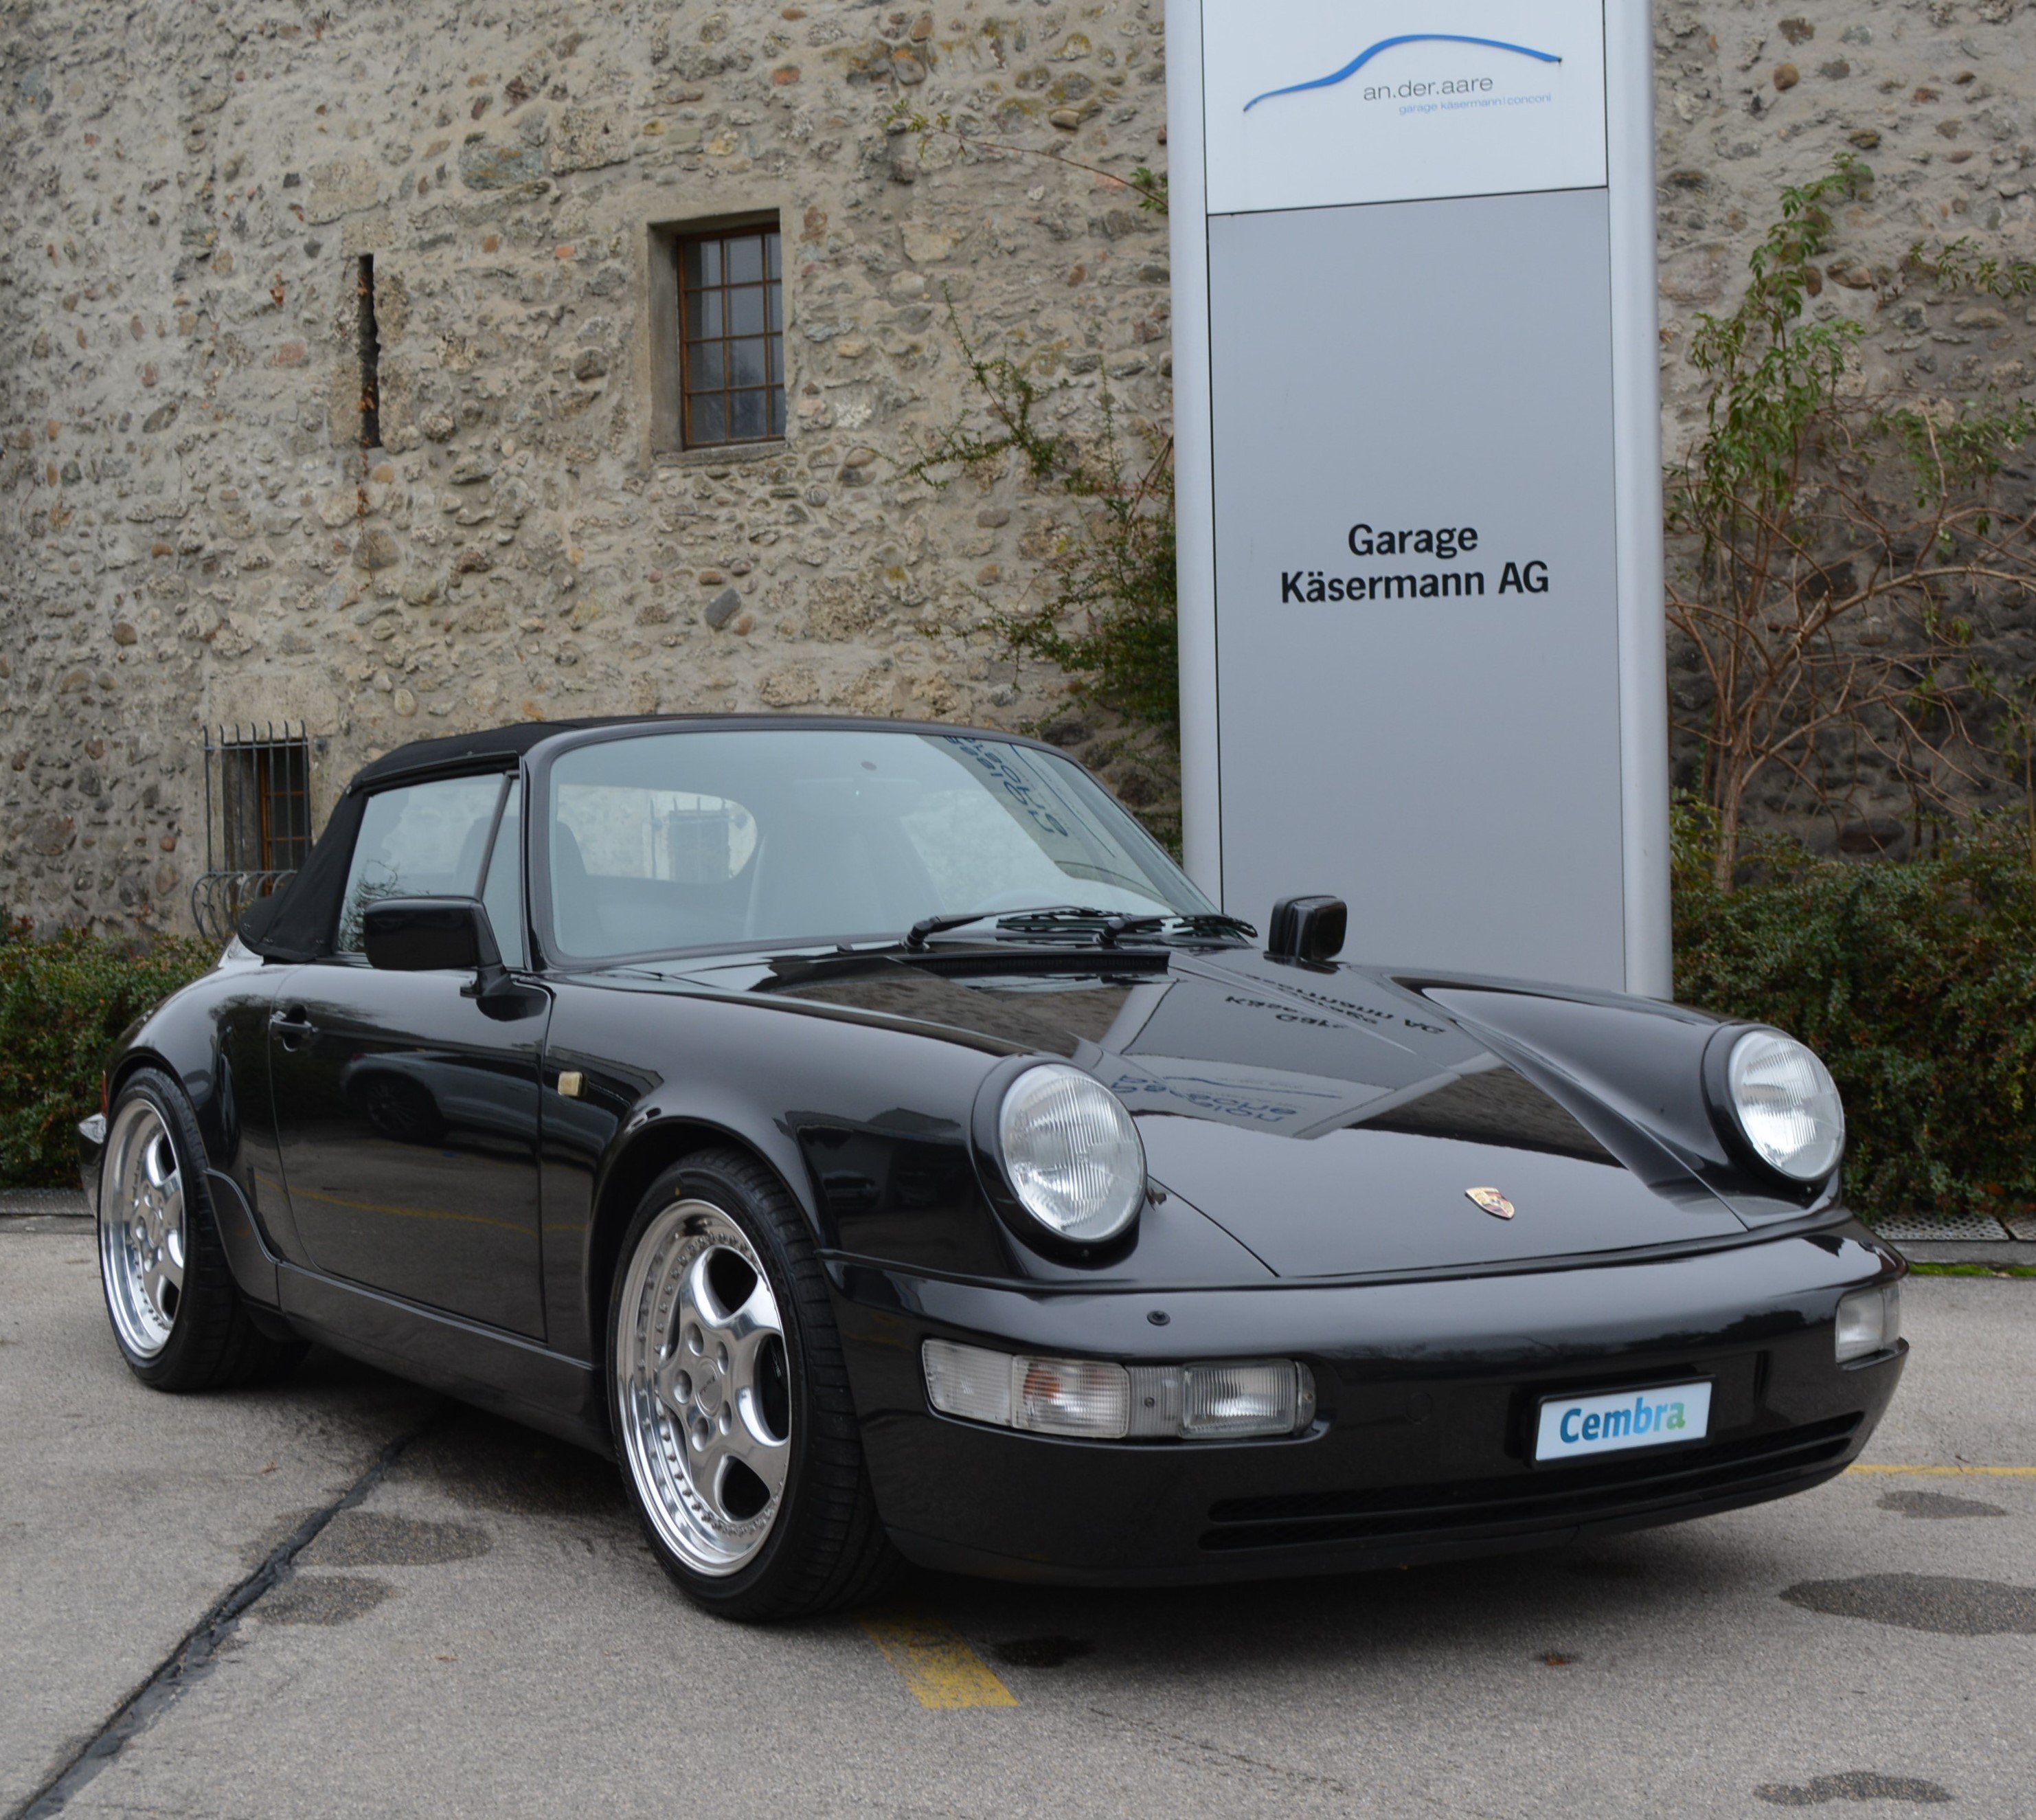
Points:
x=1916 y=984
x=61 y=1002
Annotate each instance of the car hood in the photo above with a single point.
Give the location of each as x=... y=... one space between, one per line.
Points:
x=1335 y=1119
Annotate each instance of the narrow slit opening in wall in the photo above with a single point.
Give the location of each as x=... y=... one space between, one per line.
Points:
x=370 y=358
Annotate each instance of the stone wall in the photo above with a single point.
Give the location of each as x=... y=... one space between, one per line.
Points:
x=1938 y=98
x=192 y=534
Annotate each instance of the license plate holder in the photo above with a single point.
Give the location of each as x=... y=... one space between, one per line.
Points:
x=1629 y=1421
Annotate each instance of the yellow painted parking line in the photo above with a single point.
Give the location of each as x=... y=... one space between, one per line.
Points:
x=939 y=1667
x=1949 y=1471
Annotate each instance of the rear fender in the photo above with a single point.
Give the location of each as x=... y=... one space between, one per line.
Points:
x=181 y=1038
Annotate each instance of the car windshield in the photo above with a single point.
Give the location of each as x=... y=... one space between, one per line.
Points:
x=661 y=842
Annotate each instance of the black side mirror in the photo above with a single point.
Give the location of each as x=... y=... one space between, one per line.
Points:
x=1307 y=929
x=430 y=935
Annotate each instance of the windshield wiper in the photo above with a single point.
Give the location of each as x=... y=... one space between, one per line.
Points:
x=916 y=936
x=1215 y=922
x=1109 y=927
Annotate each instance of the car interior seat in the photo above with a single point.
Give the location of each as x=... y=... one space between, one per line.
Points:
x=843 y=878
x=465 y=880
x=576 y=913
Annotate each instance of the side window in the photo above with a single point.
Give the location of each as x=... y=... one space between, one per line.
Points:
x=426 y=840
x=503 y=893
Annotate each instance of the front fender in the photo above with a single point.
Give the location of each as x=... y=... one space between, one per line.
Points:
x=867 y=1128
x=869 y=1124
x=1644 y=1062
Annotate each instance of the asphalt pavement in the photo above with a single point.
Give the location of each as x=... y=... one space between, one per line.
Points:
x=341 y=1597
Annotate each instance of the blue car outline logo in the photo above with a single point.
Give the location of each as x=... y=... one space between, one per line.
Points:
x=1384 y=44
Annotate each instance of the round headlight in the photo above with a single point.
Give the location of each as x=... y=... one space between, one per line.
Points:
x=1787 y=1105
x=1072 y=1153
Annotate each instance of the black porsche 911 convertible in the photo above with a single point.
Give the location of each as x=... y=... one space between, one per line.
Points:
x=870 y=1135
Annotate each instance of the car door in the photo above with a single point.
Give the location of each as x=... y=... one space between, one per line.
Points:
x=407 y=1107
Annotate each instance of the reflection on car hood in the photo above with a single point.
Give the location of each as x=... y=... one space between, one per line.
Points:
x=1054 y=1013
x=1333 y=1120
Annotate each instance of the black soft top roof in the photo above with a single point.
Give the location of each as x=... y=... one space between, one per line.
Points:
x=482 y=749
x=460 y=749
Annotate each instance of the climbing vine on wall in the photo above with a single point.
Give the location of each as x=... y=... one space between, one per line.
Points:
x=1835 y=544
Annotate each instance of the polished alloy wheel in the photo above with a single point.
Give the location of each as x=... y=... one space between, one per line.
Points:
x=702 y=1387
x=142 y=1229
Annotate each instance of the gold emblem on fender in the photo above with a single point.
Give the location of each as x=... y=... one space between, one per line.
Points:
x=570 y=1083
x=1493 y=1201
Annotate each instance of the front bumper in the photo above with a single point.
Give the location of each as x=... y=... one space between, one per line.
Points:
x=1427 y=1392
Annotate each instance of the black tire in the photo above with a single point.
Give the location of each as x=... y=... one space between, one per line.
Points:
x=826 y=1546
x=209 y=1341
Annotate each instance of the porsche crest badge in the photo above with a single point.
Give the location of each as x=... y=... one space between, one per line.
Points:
x=1492 y=1201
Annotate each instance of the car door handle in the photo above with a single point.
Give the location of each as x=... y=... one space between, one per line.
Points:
x=293 y=1026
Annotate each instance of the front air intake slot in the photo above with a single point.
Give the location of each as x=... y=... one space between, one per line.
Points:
x=1552 y=1498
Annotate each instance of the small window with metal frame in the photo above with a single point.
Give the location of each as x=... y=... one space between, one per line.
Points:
x=257 y=819
x=732 y=336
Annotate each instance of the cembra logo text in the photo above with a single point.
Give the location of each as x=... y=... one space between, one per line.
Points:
x=1643 y=1419
x=1384 y=44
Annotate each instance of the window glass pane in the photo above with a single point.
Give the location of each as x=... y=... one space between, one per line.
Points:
x=777 y=413
x=745 y=310
x=770 y=251
x=426 y=841
x=704 y=317
x=749 y=359
x=666 y=841
x=709 y=254
x=777 y=351
x=777 y=307
x=706 y=366
x=502 y=895
x=690 y=254
x=630 y=860
x=634 y=831
x=1016 y=821
x=751 y=417
x=710 y=420
x=745 y=259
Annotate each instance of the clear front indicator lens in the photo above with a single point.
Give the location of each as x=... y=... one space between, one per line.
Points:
x=970 y=1382
x=1072 y=1153
x=1086 y=1397
x=1097 y=1400
x=1260 y=1397
x=1787 y=1105
x=1869 y=1322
